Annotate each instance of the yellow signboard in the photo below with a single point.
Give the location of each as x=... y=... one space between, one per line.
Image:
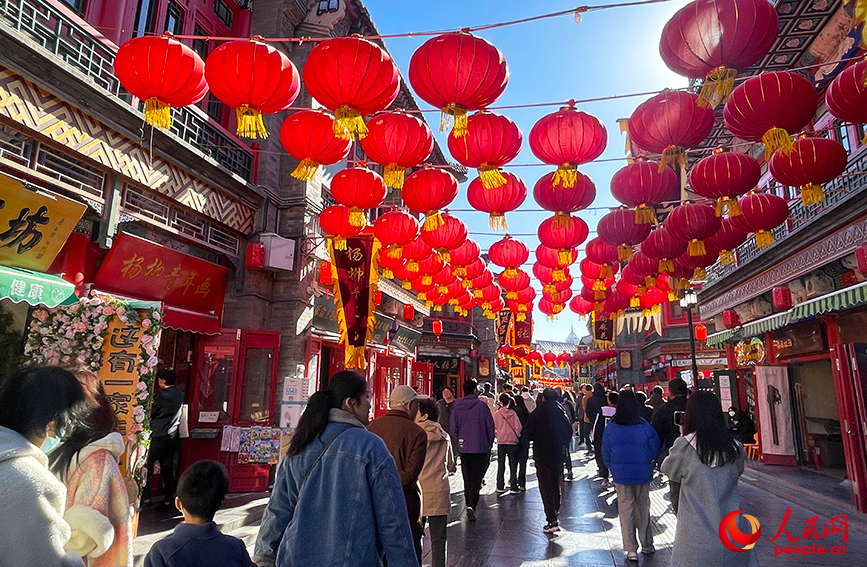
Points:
x=33 y=226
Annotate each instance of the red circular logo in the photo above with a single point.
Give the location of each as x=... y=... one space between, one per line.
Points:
x=733 y=538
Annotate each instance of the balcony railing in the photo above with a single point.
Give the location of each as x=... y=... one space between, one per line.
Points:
x=44 y=24
x=852 y=182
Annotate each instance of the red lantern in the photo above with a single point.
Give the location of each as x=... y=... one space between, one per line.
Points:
x=725 y=176
x=646 y=266
x=598 y=273
x=700 y=332
x=616 y=304
x=490 y=142
x=662 y=245
x=427 y=191
x=693 y=222
x=326 y=273
x=415 y=252
x=253 y=78
x=389 y=264
x=566 y=139
x=595 y=296
x=697 y=264
x=308 y=135
x=551 y=258
x=464 y=255
x=334 y=220
x=581 y=306
x=652 y=299
x=761 y=213
x=546 y=274
x=437 y=327
x=812 y=162
x=564 y=236
x=444 y=278
x=731 y=319
x=406 y=275
x=727 y=238
x=498 y=200
x=557 y=296
x=455 y=292
x=164 y=73
x=396 y=229
x=446 y=237
x=604 y=254
x=488 y=294
x=473 y=270
x=714 y=39
x=769 y=108
x=782 y=297
x=458 y=72
x=352 y=77
x=620 y=229
x=643 y=184
x=561 y=200
x=508 y=253
x=358 y=188
x=481 y=281
x=397 y=141
x=550 y=309
x=668 y=124
x=428 y=266
x=846 y=96
x=424 y=288
x=408 y=312
x=514 y=282
x=255 y=258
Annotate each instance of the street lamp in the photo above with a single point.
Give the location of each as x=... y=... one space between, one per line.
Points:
x=690 y=299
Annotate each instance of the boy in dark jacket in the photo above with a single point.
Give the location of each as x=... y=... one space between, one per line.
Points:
x=550 y=431
x=473 y=426
x=668 y=431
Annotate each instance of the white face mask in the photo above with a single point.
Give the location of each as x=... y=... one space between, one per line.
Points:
x=731 y=413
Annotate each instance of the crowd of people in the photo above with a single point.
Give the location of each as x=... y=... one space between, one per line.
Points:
x=356 y=492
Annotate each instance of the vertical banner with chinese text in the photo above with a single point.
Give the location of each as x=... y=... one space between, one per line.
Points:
x=603 y=332
x=524 y=331
x=504 y=323
x=354 y=294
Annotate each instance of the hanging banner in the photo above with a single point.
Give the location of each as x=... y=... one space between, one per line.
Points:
x=504 y=322
x=518 y=370
x=603 y=332
x=33 y=226
x=775 y=413
x=354 y=294
x=524 y=331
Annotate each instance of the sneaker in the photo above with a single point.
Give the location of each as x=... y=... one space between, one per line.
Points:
x=632 y=556
x=551 y=527
x=649 y=550
x=501 y=491
x=471 y=514
x=515 y=491
x=570 y=476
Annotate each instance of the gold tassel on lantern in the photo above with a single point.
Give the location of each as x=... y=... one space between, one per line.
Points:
x=558 y=275
x=624 y=253
x=438 y=307
x=640 y=290
x=606 y=272
x=511 y=294
x=498 y=221
x=672 y=297
x=387 y=274
x=348 y=124
x=250 y=124
x=357 y=217
x=445 y=255
x=666 y=265
x=649 y=281
x=598 y=285
x=672 y=155
x=477 y=293
x=406 y=284
x=158 y=114
x=443 y=289
x=520 y=317
x=395 y=251
x=549 y=287
x=697 y=248
x=599 y=294
x=812 y=194
x=561 y=221
x=726 y=257
x=764 y=238
x=457 y=114
x=412 y=266
x=566 y=175
x=339 y=242
x=634 y=302
x=306 y=170
x=645 y=215
x=460 y=271
x=426 y=279
x=433 y=220
x=421 y=296
x=777 y=139
x=393 y=175
x=467 y=283
x=682 y=283
x=729 y=203
x=510 y=272
x=491 y=177
x=564 y=257
x=699 y=273
x=717 y=87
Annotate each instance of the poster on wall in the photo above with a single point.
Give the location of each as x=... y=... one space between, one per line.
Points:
x=775 y=412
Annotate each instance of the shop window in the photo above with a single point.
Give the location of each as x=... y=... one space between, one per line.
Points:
x=327 y=6
x=224 y=12
x=256 y=397
x=842 y=135
x=174 y=19
x=76 y=5
x=216 y=381
x=144 y=18
x=200 y=46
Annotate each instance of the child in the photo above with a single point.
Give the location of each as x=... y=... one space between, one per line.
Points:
x=198 y=541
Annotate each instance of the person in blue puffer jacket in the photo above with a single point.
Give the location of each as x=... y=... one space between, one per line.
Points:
x=629 y=447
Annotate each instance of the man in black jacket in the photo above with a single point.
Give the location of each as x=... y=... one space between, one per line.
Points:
x=595 y=403
x=550 y=431
x=668 y=431
x=165 y=439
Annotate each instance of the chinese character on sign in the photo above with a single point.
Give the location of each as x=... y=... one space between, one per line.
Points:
x=18 y=288
x=125 y=337
x=204 y=287
x=355 y=274
x=155 y=269
x=132 y=267
x=173 y=277
x=838 y=525
x=119 y=402
x=23 y=232
x=35 y=292
x=189 y=282
x=122 y=361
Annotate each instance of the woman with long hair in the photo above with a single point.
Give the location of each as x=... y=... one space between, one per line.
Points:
x=97 y=504
x=508 y=431
x=337 y=498
x=434 y=478
x=707 y=462
x=524 y=441
x=629 y=446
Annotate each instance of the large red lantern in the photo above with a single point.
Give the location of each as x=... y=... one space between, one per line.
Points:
x=602 y=253
x=388 y=264
x=490 y=142
x=405 y=274
x=551 y=257
x=508 y=253
x=253 y=78
x=769 y=108
x=581 y=306
x=458 y=72
x=596 y=296
x=643 y=184
x=714 y=39
x=488 y=294
x=566 y=139
x=550 y=309
x=812 y=162
x=662 y=245
x=415 y=252
x=546 y=274
x=427 y=191
x=446 y=237
x=464 y=255
x=724 y=176
x=726 y=240
x=846 y=96
x=397 y=141
x=352 y=77
x=564 y=236
x=308 y=135
x=513 y=283
x=358 y=188
x=561 y=200
x=473 y=270
x=429 y=266
x=164 y=73
x=761 y=213
x=620 y=229
x=444 y=278
x=483 y=280
x=645 y=266
x=498 y=200
x=616 y=304
x=334 y=220
x=693 y=222
x=557 y=296
x=396 y=229
x=599 y=273
x=668 y=124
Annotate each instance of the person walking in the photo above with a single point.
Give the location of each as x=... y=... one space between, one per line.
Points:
x=707 y=463
x=656 y=400
x=473 y=425
x=508 y=430
x=668 y=431
x=644 y=410
x=165 y=437
x=523 y=441
x=446 y=406
x=529 y=401
x=434 y=479
x=586 y=422
x=564 y=398
x=743 y=428
x=605 y=413
x=337 y=494
x=549 y=430
x=595 y=403
x=629 y=447
x=407 y=443
x=579 y=415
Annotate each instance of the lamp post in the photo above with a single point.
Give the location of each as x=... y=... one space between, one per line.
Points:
x=689 y=299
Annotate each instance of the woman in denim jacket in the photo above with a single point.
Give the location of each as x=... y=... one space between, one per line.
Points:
x=337 y=498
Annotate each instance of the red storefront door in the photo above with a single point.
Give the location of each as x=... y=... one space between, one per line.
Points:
x=850 y=376
x=390 y=372
x=422 y=378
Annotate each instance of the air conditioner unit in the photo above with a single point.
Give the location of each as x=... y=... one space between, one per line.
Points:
x=279 y=252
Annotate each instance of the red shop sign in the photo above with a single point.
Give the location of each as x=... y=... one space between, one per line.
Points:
x=138 y=268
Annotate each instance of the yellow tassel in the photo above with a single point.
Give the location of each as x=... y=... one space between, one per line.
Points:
x=457 y=114
x=406 y=284
x=486 y=305
x=438 y=307
x=422 y=296
x=727 y=203
x=567 y=175
x=412 y=266
x=726 y=257
x=558 y=275
x=606 y=272
x=655 y=309
x=598 y=285
x=520 y=317
x=645 y=312
x=549 y=287
x=597 y=307
x=429 y=303
x=717 y=87
x=426 y=279
x=491 y=177
x=395 y=251
x=555 y=296
x=250 y=124
x=158 y=114
x=699 y=273
x=645 y=215
x=443 y=289
x=666 y=265
x=777 y=139
x=599 y=295
x=511 y=294
x=812 y=194
x=460 y=271
x=564 y=257
x=510 y=273
x=467 y=284
x=357 y=217
x=498 y=221
x=561 y=220
x=433 y=220
x=445 y=256
x=477 y=293
x=649 y=281
x=393 y=175
x=624 y=253
x=672 y=297
x=552 y=318
x=764 y=238
x=306 y=170
x=339 y=243
x=640 y=290
x=348 y=124
x=672 y=155
x=387 y=273
x=697 y=248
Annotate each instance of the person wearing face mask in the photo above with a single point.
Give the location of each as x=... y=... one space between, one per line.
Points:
x=743 y=428
x=337 y=497
x=36 y=407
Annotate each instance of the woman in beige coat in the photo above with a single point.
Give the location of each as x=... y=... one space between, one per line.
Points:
x=434 y=479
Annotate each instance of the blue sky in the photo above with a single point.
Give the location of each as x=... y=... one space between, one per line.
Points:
x=610 y=52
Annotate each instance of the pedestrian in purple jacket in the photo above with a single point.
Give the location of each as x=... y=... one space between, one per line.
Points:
x=473 y=425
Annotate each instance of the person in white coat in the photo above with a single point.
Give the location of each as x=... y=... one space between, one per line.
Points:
x=508 y=430
x=434 y=479
x=36 y=407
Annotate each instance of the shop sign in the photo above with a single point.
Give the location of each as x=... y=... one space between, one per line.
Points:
x=750 y=352
x=325 y=315
x=518 y=370
x=33 y=226
x=799 y=340
x=144 y=270
x=700 y=362
x=603 y=331
x=524 y=331
x=406 y=339
x=442 y=364
x=381 y=328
